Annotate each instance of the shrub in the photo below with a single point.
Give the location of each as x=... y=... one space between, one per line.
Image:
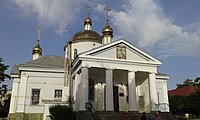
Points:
x=60 y=112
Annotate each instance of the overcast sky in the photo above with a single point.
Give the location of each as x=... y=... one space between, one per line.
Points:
x=166 y=29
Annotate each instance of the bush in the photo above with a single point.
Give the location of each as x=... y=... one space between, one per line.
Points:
x=60 y=112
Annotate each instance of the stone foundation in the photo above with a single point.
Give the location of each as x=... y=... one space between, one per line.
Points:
x=26 y=116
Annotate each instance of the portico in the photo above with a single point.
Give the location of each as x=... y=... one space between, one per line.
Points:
x=118 y=84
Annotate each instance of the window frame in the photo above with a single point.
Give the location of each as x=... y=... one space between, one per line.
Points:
x=58 y=95
x=35 y=96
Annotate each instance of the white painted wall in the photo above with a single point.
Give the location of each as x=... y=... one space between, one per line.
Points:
x=82 y=47
x=47 y=82
x=14 y=95
x=161 y=85
x=99 y=97
x=130 y=54
x=123 y=105
x=143 y=92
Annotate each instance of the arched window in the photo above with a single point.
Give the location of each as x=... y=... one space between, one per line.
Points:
x=91 y=90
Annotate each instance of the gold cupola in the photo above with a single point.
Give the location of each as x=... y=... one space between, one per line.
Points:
x=88 y=23
x=107 y=32
x=37 y=50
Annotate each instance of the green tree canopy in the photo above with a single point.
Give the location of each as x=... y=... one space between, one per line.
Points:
x=190 y=82
x=3 y=68
x=3 y=76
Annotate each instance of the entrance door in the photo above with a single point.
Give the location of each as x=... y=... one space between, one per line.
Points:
x=116 y=98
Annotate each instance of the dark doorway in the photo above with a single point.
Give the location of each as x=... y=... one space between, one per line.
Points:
x=116 y=98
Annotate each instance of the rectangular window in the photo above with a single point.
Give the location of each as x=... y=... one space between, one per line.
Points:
x=35 y=96
x=58 y=94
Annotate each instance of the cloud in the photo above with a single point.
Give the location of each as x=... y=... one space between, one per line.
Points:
x=143 y=23
x=56 y=13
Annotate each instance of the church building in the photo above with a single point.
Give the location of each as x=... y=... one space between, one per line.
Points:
x=113 y=75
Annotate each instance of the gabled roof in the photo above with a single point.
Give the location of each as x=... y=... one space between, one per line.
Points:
x=184 y=91
x=15 y=70
x=42 y=62
x=115 y=43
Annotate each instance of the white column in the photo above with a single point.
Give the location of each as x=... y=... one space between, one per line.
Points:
x=153 y=91
x=132 y=91
x=14 y=95
x=21 y=101
x=165 y=95
x=84 y=87
x=109 y=90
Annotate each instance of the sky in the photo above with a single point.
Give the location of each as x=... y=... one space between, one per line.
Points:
x=169 y=30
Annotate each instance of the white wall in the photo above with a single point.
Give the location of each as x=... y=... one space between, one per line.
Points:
x=47 y=82
x=143 y=92
x=161 y=85
x=123 y=104
x=15 y=88
x=82 y=47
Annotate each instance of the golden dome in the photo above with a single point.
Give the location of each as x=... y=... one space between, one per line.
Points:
x=37 y=49
x=88 y=21
x=107 y=30
x=87 y=35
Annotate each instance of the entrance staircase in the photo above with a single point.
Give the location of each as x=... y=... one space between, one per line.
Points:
x=92 y=114
x=119 y=115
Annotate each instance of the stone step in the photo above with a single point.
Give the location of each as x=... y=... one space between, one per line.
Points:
x=119 y=115
x=105 y=115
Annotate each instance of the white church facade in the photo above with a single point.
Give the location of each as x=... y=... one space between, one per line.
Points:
x=112 y=75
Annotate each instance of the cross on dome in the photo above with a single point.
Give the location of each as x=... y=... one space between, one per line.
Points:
x=39 y=32
x=107 y=9
x=88 y=7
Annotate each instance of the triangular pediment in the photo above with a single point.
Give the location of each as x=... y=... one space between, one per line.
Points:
x=121 y=50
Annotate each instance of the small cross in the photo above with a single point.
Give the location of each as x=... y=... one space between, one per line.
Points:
x=88 y=7
x=107 y=10
x=39 y=32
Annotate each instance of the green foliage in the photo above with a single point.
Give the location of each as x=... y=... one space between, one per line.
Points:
x=4 y=108
x=190 y=82
x=195 y=103
x=3 y=68
x=179 y=105
x=60 y=112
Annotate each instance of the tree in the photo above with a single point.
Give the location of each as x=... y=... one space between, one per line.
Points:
x=4 y=103
x=197 y=81
x=187 y=82
x=195 y=103
x=190 y=82
x=3 y=68
x=3 y=76
x=60 y=112
x=180 y=105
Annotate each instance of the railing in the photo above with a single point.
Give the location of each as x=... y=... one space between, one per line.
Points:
x=163 y=107
x=89 y=107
